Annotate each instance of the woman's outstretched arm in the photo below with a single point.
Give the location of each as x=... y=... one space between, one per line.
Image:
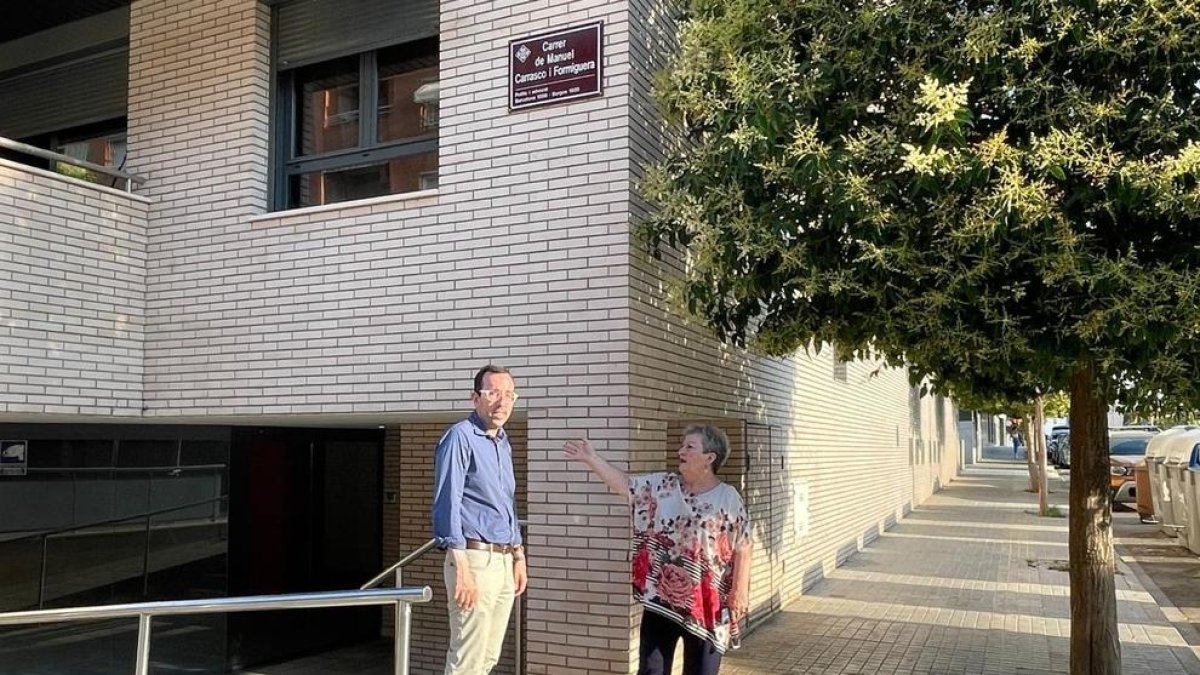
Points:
x=613 y=477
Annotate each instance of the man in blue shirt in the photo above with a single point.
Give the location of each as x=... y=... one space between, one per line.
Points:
x=475 y=520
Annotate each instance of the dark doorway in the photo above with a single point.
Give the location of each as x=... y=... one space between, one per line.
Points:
x=304 y=516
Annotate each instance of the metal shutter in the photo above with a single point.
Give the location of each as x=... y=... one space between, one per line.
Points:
x=310 y=31
x=66 y=95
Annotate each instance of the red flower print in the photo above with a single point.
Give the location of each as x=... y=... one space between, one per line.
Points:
x=675 y=587
x=641 y=568
x=724 y=548
x=706 y=602
x=665 y=541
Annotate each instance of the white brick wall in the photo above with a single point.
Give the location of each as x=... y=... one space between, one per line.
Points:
x=520 y=258
x=198 y=104
x=381 y=307
x=72 y=295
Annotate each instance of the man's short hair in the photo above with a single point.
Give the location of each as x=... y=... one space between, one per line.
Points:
x=489 y=369
x=713 y=440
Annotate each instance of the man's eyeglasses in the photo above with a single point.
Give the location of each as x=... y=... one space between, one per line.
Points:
x=494 y=395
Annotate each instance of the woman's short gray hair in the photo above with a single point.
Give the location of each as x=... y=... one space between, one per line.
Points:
x=712 y=440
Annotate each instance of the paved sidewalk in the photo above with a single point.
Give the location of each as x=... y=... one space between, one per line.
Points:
x=972 y=582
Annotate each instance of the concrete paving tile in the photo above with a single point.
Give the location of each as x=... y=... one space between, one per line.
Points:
x=969 y=584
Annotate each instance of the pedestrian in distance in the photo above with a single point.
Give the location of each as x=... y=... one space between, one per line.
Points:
x=475 y=521
x=691 y=552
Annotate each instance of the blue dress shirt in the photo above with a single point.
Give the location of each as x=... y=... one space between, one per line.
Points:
x=474 y=488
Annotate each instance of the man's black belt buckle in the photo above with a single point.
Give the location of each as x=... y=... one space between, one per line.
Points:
x=477 y=545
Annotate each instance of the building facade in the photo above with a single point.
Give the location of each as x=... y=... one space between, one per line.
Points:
x=340 y=218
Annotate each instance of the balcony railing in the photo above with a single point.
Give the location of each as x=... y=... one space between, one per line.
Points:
x=118 y=176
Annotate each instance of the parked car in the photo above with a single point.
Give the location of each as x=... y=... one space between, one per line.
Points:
x=1126 y=449
x=1137 y=427
x=1064 y=451
x=1054 y=442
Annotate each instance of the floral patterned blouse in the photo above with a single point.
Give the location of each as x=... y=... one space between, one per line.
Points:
x=683 y=548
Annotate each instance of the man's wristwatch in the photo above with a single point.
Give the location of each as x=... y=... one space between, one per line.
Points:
x=519 y=553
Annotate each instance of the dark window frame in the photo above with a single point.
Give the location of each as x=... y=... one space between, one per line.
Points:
x=285 y=128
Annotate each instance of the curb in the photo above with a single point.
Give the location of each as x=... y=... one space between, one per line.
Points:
x=1173 y=615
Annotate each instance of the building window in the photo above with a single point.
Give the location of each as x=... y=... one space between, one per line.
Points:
x=334 y=151
x=840 y=370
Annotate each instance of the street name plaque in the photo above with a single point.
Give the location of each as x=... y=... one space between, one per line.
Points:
x=550 y=68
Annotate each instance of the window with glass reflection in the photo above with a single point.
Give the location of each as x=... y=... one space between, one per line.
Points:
x=327 y=95
x=337 y=153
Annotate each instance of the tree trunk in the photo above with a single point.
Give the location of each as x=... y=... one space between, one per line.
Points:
x=1095 y=647
x=1030 y=462
x=1039 y=424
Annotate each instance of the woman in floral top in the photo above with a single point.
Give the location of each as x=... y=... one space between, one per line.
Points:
x=691 y=552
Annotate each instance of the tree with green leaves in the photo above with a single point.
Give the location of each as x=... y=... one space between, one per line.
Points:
x=1058 y=404
x=982 y=192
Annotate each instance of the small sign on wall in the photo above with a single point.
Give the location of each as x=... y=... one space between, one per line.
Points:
x=548 y=68
x=14 y=458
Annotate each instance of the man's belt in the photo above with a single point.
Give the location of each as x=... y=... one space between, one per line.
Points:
x=477 y=545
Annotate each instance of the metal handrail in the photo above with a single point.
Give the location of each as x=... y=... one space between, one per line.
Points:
x=45 y=537
x=402 y=598
x=113 y=521
x=173 y=469
x=420 y=551
x=42 y=153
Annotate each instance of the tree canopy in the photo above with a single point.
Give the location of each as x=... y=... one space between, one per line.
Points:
x=974 y=189
x=1002 y=196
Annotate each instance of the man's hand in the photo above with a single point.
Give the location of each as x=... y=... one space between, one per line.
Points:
x=465 y=590
x=520 y=575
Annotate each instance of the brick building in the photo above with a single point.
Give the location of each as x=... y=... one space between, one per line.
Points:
x=337 y=219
